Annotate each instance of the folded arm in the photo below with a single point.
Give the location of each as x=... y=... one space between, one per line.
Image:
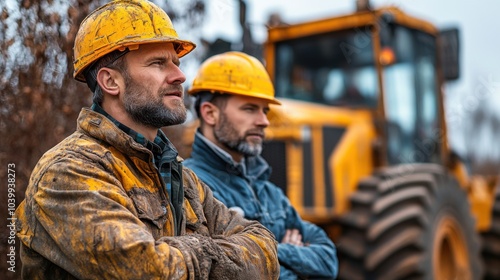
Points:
x=88 y=225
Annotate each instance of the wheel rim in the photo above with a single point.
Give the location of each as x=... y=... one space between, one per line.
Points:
x=450 y=254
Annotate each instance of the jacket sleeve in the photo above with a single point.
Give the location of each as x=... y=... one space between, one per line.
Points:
x=81 y=219
x=87 y=225
x=287 y=274
x=236 y=249
x=318 y=256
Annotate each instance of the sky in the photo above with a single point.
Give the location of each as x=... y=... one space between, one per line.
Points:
x=479 y=39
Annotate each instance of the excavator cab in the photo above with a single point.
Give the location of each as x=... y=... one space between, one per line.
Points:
x=412 y=81
x=386 y=63
x=335 y=73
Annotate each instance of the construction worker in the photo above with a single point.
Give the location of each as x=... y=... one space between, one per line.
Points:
x=113 y=201
x=233 y=96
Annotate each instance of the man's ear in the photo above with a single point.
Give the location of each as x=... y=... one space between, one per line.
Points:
x=210 y=113
x=110 y=80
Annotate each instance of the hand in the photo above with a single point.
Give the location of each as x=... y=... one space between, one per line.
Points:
x=293 y=237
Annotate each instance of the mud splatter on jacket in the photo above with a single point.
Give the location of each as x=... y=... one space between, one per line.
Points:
x=248 y=187
x=96 y=208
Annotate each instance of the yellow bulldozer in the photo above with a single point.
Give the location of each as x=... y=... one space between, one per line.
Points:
x=360 y=147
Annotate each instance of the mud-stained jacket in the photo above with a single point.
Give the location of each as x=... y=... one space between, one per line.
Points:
x=248 y=187
x=95 y=208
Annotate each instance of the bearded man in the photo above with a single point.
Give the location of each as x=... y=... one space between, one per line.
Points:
x=233 y=95
x=113 y=200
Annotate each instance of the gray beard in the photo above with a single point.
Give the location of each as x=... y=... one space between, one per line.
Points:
x=152 y=113
x=155 y=114
x=228 y=136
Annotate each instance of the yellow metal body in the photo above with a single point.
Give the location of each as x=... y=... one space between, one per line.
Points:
x=351 y=158
x=122 y=24
x=234 y=73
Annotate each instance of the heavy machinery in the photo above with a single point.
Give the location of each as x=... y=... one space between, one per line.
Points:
x=360 y=147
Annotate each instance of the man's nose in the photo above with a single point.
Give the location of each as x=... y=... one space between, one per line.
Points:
x=176 y=76
x=262 y=120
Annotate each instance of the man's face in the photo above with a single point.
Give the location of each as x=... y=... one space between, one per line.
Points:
x=241 y=124
x=153 y=87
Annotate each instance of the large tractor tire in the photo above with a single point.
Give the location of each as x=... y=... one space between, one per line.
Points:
x=491 y=242
x=409 y=222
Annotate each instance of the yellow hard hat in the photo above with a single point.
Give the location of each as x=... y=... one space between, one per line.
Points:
x=122 y=24
x=234 y=73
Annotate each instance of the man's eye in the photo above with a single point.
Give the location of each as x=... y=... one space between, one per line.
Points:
x=158 y=62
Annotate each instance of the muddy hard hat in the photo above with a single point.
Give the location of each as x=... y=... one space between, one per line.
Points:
x=122 y=24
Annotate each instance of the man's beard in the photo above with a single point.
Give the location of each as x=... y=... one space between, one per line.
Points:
x=226 y=134
x=150 y=110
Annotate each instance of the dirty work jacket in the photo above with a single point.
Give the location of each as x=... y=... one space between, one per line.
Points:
x=96 y=208
x=247 y=187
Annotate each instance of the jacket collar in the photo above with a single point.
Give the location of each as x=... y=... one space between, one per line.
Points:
x=100 y=127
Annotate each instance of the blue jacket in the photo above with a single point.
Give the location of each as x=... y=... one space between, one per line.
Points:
x=247 y=186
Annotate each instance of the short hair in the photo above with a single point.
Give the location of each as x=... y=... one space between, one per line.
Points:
x=113 y=60
x=217 y=98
